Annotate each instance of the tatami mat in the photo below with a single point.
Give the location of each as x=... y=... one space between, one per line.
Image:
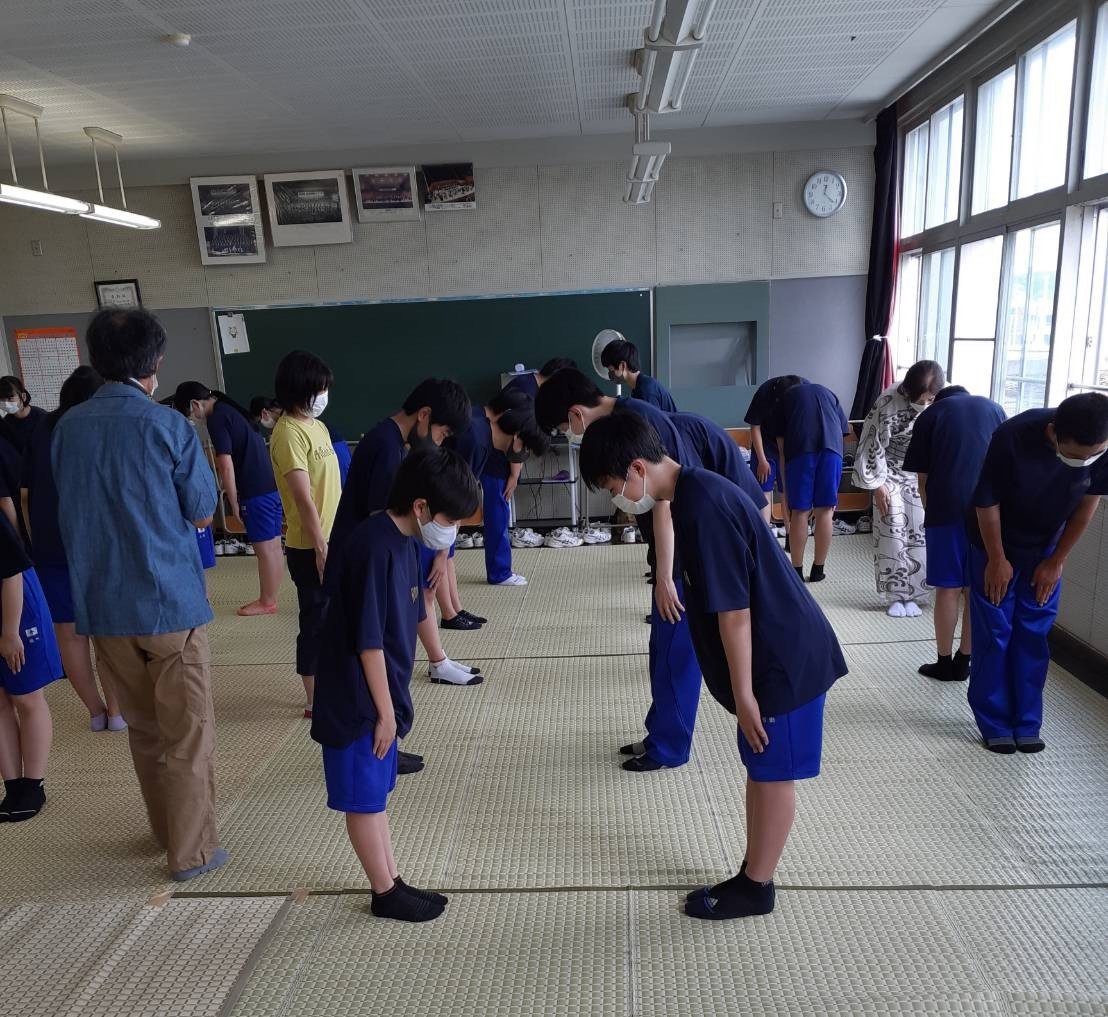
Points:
x=563 y=867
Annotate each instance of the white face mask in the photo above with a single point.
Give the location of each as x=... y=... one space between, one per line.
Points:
x=573 y=437
x=920 y=407
x=636 y=508
x=319 y=404
x=9 y=408
x=268 y=423
x=1079 y=464
x=436 y=536
x=153 y=385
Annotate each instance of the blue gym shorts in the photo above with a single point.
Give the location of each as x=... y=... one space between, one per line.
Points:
x=813 y=480
x=795 y=745
x=59 y=594
x=426 y=560
x=206 y=542
x=948 y=556
x=357 y=781
x=43 y=663
x=773 y=480
x=263 y=517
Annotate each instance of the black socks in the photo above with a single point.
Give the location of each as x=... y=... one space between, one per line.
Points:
x=23 y=799
x=961 y=666
x=709 y=889
x=948 y=668
x=438 y=898
x=817 y=574
x=800 y=571
x=738 y=897
x=405 y=904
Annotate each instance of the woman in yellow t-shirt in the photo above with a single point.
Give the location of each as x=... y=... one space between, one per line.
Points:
x=307 y=475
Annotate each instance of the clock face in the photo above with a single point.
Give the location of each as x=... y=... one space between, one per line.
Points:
x=825 y=193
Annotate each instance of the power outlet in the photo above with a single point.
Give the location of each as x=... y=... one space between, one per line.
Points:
x=36 y=248
x=778 y=210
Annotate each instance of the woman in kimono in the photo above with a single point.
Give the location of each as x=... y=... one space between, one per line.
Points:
x=900 y=558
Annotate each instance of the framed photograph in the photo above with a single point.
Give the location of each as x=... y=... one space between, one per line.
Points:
x=308 y=208
x=117 y=293
x=228 y=220
x=450 y=187
x=386 y=193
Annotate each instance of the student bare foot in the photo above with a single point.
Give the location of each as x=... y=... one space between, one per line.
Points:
x=256 y=608
x=1030 y=744
x=1003 y=746
x=738 y=897
x=402 y=905
x=642 y=764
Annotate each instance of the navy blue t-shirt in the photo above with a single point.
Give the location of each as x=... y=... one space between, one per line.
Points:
x=762 y=405
x=42 y=495
x=949 y=442
x=13 y=556
x=18 y=430
x=233 y=436
x=528 y=383
x=475 y=444
x=652 y=391
x=732 y=562
x=810 y=419
x=1036 y=491
x=342 y=453
x=372 y=470
x=374 y=603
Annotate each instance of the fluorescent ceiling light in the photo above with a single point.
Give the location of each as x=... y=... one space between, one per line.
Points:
x=13 y=195
x=671 y=43
x=120 y=217
x=648 y=159
x=638 y=192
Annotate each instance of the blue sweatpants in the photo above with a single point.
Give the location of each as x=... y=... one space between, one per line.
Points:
x=674 y=689
x=498 y=546
x=1010 y=653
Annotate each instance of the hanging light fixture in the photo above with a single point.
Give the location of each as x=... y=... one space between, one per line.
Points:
x=646 y=162
x=670 y=44
x=13 y=193
x=105 y=213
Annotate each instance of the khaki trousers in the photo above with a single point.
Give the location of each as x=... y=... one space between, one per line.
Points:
x=164 y=689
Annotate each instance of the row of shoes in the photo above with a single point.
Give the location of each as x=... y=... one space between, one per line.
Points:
x=468 y=541
x=840 y=528
x=525 y=537
x=232 y=547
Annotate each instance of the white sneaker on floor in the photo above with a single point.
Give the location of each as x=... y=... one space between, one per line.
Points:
x=465 y=542
x=559 y=540
x=512 y=580
x=518 y=539
x=841 y=528
x=595 y=535
x=896 y=610
x=628 y=535
x=220 y=549
x=780 y=531
x=865 y=525
x=912 y=609
x=531 y=538
x=478 y=540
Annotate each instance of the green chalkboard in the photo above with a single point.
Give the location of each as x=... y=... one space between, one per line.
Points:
x=380 y=351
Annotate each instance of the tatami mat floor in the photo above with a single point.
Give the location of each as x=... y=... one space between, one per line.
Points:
x=924 y=875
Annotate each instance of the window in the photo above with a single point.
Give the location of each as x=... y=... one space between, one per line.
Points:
x=1043 y=119
x=1090 y=366
x=1028 y=316
x=1096 y=138
x=992 y=152
x=935 y=293
x=975 y=315
x=906 y=312
x=915 y=182
x=944 y=164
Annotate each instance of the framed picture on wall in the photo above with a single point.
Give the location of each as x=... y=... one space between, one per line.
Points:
x=450 y=187
x=386 y=193
x=308 y=208
x=117 y=293
x=228 y=220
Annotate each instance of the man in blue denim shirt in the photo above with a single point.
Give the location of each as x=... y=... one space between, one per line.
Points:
x=133 y=487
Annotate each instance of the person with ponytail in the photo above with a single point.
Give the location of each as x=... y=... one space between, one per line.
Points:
x=246 y=476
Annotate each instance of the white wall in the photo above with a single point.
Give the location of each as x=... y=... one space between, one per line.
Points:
x=1084 y=609
x=536 y=228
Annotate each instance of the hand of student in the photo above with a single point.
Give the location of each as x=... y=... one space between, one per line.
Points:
x=1045 y=578
x=233 y=507
x=384 y=734
x=321 y=559
x=665 y=595
x=762 y=472
x=750 y=723
x=998 y=574
x=11 y=649
x=881 y=500
x=438 y=570
x=509 y=490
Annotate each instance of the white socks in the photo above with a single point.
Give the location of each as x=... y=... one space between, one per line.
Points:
x=447 y=670
x=904 y=609
x=896 y=610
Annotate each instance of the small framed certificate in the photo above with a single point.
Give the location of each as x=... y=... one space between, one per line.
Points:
x=118 y=293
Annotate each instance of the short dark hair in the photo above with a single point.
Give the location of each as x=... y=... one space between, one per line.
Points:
x=565 y=388
x=439 y=475
x=951 y=390
x=447 y=399
x=301 y=376
x=10 y=385
x=511 y=398
x=923 y=377
x=79 y=387
x=621 y=351
x=614 y=442
x=260 y=403
x=520 y=421
x=556 y=364
x=124 y=344
x=1082 y=419
x=188 y=391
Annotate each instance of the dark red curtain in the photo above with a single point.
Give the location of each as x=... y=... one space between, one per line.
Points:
x=881 y=286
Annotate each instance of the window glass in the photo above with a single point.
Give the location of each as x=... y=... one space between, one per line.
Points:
x=992 y=152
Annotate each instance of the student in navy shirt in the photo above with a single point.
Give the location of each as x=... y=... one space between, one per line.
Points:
x=530 y=382
x=621 y=357
x=571 y=401
x=362 y=700
x=434 y=410
x=1042 y=480
x=342 y=452
x=40 y=509
x=246 y=475
x=947 y=448
x=767 y=652
x=11 y=468
x=19 y=417
x=29 y=661
x=265 y=411
x=808 y=426
x=763 y=405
